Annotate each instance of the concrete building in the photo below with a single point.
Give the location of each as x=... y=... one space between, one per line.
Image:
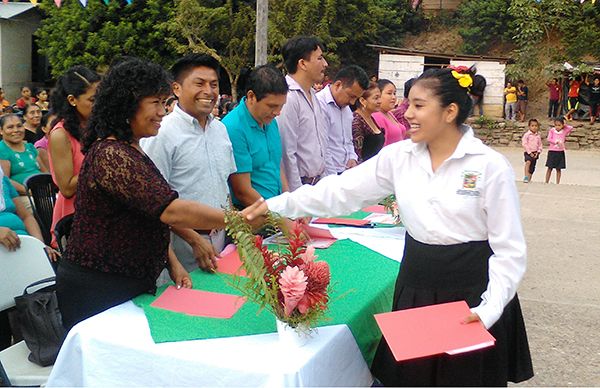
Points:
x=401 y=64
x=19 y=62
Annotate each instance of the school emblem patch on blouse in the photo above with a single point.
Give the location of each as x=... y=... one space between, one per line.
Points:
x=469 y=183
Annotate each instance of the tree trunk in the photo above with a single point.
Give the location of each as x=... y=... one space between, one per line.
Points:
x=233 y=80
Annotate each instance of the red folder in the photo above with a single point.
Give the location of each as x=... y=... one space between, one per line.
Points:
x=199 y=303
x=431 y=330
x=375 y=209
x=342 y=221
x=230 y=262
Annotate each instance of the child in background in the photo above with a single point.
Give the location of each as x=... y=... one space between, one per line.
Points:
x=573 y=101
x=594 y=99
x=532 y=147
x=556 y=148
x=42 y=144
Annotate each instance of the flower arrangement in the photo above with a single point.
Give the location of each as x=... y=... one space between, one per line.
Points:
x=286 y=280
x=391 y=205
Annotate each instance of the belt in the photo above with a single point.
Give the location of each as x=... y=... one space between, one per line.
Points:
x=310 y=180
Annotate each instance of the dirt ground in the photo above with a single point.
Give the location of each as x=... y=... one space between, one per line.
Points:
x=560 y=294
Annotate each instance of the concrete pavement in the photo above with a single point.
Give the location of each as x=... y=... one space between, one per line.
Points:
x=560 y=294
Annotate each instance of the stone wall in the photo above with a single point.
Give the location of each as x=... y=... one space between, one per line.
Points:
x=583 y=136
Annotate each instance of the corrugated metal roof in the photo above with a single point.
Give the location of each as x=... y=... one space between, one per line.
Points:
x=407 y=51
x=10 y=10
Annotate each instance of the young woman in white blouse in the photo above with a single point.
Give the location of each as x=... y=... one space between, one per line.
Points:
x=458 y=201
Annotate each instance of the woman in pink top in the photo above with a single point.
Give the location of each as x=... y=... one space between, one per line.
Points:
x=556 y=148
x=72 y=101
x=394 y=131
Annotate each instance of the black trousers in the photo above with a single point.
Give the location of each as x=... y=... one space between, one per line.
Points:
x=83 y=292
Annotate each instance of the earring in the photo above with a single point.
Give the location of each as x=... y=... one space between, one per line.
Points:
x=127 y=121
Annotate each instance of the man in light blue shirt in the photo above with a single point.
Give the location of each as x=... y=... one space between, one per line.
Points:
x=255 y=138
x=348 y=85
x=193 y=152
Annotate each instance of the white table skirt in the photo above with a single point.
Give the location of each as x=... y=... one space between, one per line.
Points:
x=115 y=348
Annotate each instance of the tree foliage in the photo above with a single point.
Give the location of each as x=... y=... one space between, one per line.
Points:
x=484 y=22
x=98 y=34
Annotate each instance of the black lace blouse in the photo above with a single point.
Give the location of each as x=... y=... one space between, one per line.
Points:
x=117 y=228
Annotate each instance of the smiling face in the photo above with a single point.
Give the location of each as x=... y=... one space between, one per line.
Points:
x=428 y=119
x=388 y=98
x=198 y=92
x=370 y=102
x=33 y=116
x=147 y=118
x=265 y=110
x=13 y=132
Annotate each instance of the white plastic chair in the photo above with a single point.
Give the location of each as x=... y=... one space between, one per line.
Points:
x=19 y=269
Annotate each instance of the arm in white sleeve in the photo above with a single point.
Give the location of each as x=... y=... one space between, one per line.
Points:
x=505 y=234
x=288 y=125
x=342 y=194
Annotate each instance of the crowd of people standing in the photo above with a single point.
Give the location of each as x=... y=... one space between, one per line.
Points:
x=147 y=188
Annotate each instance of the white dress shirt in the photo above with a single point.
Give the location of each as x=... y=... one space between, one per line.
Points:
x=338 y=122
x=196 y=162
x=470 y=197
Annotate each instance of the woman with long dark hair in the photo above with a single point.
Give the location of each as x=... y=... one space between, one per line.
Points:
x=72 y=100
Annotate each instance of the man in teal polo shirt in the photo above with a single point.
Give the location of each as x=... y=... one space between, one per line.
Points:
x=254 y=135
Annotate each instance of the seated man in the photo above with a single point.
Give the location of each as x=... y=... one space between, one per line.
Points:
x=254 y=135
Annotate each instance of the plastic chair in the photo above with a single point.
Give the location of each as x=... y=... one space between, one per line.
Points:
x=62 y=231
x=41 y=192
x=19 y=269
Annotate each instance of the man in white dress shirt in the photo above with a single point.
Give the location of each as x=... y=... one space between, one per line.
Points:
x=193 y=152
x=348 y=85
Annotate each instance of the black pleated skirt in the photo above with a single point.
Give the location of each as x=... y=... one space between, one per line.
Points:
x=432 y=274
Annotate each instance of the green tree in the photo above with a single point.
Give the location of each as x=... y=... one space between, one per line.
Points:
x=98 y=34
x=484 y=22
x=222 y=29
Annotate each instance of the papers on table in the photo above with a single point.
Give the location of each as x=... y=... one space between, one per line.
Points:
x=343 y=221
x=199 y=303
x=375 y=209
x=230 y=262
x=319 y=238
x=431 y=330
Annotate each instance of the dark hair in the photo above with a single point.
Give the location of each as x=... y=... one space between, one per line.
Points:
x=74 y=82
x=39 y=90
x=555 y=79
x=46 y=117
x=407 y=85
x=351 y=74
x=185 y=65
x=382 y=83
x=25 y=86
x=520 y=81
x=299 y=47
x=560 y=119
x=119 y=95
x=532 y=121
x=6 y=116
x=265 y=80
x=447 y=89
x=170 y=100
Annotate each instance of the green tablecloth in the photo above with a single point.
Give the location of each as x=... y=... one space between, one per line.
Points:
x=363 y=283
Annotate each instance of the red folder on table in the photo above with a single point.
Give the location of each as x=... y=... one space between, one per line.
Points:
x=342 y=221
x=230 y=262
x=375 y=209
x=431 y=330
x=319 y=238
x=199 y=303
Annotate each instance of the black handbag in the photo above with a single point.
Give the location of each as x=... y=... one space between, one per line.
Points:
x=40 y=322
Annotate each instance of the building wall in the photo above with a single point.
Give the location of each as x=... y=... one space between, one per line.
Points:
x=400 y=68
x=15 y=52
x=493 y=98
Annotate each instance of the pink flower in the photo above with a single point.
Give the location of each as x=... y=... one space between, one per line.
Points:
x=309 y=255
x=318 y=279
x=293 y=286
